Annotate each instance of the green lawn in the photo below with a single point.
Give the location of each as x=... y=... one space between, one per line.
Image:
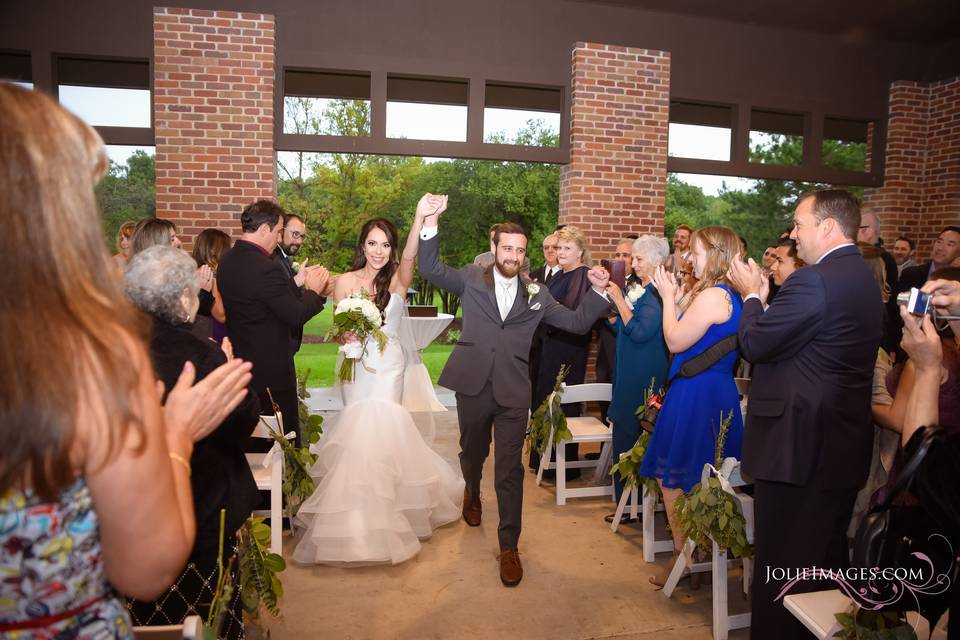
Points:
x=320 y=359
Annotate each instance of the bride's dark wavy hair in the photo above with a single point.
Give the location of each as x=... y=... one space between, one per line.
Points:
x=381 y=282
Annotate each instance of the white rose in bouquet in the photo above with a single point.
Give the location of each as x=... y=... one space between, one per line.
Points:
x=358 y=316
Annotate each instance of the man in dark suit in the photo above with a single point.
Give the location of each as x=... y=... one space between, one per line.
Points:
x=946 y=249
x=544 y=275
x=808 y=433
x=292 y=235
x=606 y=338
x=488 y=367
x=263 y=309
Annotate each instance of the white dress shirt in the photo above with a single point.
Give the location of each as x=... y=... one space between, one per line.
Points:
x=506 y=290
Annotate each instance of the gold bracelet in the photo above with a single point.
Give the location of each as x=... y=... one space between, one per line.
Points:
x=179 y=458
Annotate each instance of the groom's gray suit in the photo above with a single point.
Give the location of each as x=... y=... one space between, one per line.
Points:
x=488 y=370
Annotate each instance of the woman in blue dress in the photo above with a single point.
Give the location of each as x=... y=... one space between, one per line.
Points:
x=685 y=434
x=641 y=352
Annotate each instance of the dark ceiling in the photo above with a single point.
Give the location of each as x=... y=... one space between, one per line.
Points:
x=916 y=21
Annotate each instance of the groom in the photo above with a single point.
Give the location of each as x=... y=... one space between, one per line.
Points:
x=488 y=367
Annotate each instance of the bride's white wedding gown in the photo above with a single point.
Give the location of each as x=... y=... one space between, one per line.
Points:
x=380 y=488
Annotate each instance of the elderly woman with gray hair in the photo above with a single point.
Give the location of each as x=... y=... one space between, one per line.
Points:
x=162 y=282
x=642 y=356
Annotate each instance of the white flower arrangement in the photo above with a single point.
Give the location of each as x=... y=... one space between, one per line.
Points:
x=533 y=289
x=357 y=315
x=295 y=266
x=634 y=293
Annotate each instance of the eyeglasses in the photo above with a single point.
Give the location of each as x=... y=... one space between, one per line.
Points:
x=297 y=235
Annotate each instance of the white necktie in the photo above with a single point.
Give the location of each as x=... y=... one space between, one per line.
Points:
x=504 y=299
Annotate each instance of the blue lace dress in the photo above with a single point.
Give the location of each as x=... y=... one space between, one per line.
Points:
x=684 y=437
x=53 y=582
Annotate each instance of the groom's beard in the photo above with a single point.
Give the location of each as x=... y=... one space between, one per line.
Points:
x=508 y=268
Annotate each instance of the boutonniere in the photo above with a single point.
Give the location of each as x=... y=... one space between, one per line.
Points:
x=533 y=289
x=295 y=267
x=634 y=293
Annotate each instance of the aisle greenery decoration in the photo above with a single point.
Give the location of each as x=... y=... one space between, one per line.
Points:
x=298 y=485
x=222 y=593
x=707 y=511
x=628 y=465
x=865 y=624
x=259 y=584
x=549 y=414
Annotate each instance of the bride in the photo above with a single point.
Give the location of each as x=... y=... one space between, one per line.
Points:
x=380 y=488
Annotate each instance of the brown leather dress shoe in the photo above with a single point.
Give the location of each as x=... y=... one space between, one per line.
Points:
x=511 y=571
x=472 y=511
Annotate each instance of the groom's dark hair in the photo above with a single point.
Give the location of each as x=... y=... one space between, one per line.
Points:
x=507 y=227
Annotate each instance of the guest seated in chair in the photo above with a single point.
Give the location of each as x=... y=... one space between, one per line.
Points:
x=162 y=282
x=641 y=352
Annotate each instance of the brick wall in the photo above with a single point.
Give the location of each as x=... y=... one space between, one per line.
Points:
x=213 y=115
x=616 y=180
x=921 y=190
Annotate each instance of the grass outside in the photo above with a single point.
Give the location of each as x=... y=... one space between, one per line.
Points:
x=321 y=358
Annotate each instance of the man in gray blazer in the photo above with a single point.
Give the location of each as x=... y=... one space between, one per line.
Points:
x=488 y=367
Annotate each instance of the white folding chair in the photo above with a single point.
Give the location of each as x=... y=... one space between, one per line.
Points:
x=268 y=473
x=723 y=622
x=189 y=630
x=583 y=429
x=817 y=609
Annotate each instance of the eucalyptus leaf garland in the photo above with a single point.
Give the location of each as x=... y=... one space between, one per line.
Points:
x=549 y=414
x=259 y=584
x=708 y=512
x=865 y=624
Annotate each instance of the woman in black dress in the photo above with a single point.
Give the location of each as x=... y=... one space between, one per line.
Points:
x=558 y=347
x=162 y=282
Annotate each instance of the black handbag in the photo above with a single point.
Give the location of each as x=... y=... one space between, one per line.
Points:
x=900 y=536
x=692 y=367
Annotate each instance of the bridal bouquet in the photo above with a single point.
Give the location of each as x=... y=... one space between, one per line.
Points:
x=357 y=315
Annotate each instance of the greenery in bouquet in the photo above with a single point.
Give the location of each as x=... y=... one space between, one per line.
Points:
x=357 y=315
x=864 y=624
x=708 y=512
x=549 y=415
x=259 y=584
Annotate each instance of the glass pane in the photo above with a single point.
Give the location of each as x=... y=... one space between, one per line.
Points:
x=326 y=116
x=421 y=121
x=776 y=148
x=100 y=106
x=120 y=153
x=698 y=141
x=845 y=144
x=518 y=126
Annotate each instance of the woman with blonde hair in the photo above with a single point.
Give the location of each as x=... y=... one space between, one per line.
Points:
x=94 y=472
x=704 y=393
x=560 y=347
x=124 y=245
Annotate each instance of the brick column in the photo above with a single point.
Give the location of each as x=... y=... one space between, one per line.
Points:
x=619 y=119
x=213 y=115
x=921 y=190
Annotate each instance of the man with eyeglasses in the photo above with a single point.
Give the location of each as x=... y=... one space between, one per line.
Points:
x=292 y=235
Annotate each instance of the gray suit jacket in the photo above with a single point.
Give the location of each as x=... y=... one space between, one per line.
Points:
x=495 y=350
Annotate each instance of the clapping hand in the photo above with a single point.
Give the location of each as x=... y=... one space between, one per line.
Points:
x=667 y=285
x=300 y=277
x=227 y=347
x=599 y=278
x=194 y=410
x=205 y=277
x=316 y=278
x=746 y=278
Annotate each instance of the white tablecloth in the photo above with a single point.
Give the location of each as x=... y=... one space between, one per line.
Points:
x=415 y=335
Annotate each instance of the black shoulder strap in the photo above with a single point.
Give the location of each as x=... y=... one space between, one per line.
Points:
x=710 y=356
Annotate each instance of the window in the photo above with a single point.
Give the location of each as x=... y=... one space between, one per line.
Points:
x=776 y=137
x=326 y=103
x=845 y=144
x=106 y=93
x=15 y=66
x=427 y=108
x=521 y=115
x=701 y=131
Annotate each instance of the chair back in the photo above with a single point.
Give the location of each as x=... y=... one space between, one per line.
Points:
x=189 y=630
x=589 y=392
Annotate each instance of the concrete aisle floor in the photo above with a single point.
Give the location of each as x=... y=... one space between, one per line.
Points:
x=580 y=581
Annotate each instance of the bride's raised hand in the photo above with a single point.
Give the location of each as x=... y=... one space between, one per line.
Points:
x=441 y=204
x=425 y=207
